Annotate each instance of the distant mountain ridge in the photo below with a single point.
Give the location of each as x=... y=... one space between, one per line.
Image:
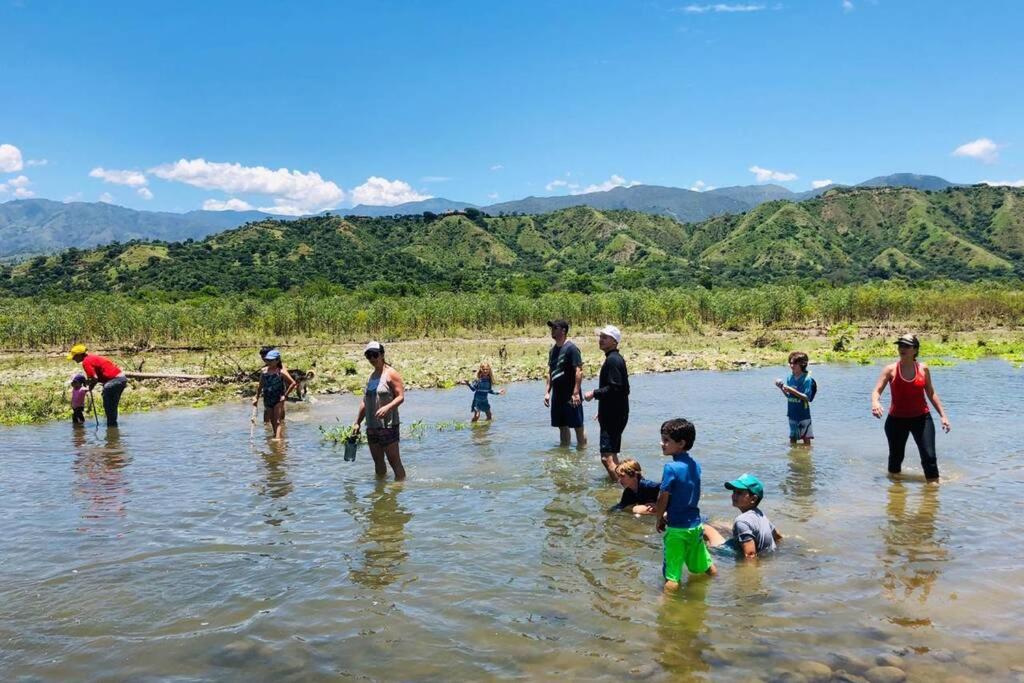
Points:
x=42 y=226
x=845 y=235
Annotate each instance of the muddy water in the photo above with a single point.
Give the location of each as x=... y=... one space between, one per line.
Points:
x=178 y=549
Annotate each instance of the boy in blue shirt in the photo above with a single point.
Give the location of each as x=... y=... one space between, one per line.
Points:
x=680 y=493
x=799 y=392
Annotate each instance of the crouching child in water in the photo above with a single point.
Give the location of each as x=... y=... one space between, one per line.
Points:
x=483 y=389
x=679 y=497
x=639 y=495
x=752 y=533
x=78 y=394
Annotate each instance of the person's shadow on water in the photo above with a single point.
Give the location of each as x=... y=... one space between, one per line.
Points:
x=100 y=482
x=383 y=538
x=913 y=557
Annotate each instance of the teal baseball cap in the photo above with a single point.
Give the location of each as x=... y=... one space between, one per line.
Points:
x=746 y=482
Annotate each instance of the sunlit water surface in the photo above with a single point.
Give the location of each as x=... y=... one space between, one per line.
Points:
x=181 y=549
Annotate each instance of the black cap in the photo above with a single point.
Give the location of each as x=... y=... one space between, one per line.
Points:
x=559 y=323
x=909 y=340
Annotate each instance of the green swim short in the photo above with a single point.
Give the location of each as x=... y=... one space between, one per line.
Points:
x=685 y=545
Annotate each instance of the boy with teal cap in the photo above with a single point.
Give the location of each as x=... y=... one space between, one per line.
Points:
x=752 y=533
x=679 y=496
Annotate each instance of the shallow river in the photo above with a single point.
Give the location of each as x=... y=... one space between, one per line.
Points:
x=179 y=549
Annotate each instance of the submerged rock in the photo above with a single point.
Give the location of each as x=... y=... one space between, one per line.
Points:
x=885 y=674
x=814 y=672
x=851 y=663
x=978 y=663
x=889 y=660
x=847 y=677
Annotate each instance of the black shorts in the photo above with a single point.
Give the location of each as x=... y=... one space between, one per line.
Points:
x=611 y=436
x=564 y=414
x=382 y=436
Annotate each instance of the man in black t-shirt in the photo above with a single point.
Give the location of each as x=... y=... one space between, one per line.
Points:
x=613 y=397
x=565 y=374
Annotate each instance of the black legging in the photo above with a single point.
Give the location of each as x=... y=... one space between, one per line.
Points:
x=923 y=429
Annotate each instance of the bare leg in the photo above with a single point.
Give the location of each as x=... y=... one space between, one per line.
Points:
x=489 y=416
x=712 y=537
x=581 y=437
x=395 y=460
x=610 y=462
x=563 y=436
x=476 y=416
x=380 y=467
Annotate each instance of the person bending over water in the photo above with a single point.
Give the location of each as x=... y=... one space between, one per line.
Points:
x=752 y=533
x=910 y=382
x=384 y=393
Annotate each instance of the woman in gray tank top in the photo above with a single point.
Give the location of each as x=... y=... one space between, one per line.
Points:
x=383 y=394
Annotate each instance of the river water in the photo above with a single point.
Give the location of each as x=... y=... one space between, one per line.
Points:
x=177 y=548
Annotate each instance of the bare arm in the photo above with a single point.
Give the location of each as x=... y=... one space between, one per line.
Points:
x=547 y=389
x=290 y=383
x=776 y=535
x=876 y=394
x=576 y=396
x=749 y=550
x=933 y=396
x=659 y=510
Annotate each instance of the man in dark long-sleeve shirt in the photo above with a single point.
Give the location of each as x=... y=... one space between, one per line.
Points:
x=613 y=395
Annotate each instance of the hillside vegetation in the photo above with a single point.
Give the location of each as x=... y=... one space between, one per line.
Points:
x=843 y=236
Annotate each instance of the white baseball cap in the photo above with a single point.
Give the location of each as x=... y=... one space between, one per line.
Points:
x=374 y=346
x=611 y=331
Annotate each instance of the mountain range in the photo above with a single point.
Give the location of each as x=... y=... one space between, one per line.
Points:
x=844 y=235
x=41 y=226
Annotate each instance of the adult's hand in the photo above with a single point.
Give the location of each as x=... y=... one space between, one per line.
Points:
x=589 y=396
x=382 y=412
x=877 y=411
x=575 y=401
x=945 y=424
x=547 y=399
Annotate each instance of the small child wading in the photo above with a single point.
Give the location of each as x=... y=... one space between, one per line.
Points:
x=78 y=394
x=275 y=385
x=799 y=390
x=679 y=497
x=483 y=389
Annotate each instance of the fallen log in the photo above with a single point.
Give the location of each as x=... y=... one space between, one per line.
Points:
x=160 y=375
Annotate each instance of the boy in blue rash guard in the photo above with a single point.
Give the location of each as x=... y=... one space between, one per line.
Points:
x=799 y=392
x=680 y=494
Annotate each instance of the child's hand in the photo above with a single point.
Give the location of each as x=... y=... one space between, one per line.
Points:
x=779 y=384
x=661 y=524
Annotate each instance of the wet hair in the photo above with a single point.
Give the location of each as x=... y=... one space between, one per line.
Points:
x=485 y=371
x=799 y=357
x=628 y=468
x=681 y=430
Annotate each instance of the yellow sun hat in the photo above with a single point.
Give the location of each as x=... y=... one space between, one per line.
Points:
x=75 y=350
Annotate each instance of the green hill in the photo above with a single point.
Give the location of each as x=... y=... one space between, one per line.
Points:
x=845 y=235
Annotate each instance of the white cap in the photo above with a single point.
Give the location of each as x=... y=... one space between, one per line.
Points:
x=611 y=331
x=374 y=346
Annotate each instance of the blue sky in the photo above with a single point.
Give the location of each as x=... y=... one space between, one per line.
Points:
x=300 y=107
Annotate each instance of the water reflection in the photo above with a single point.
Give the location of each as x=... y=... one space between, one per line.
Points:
x=799 y=486
x=275 y=483
x=383 y=538
x=682 y=634
x=913 y=556
x=100 y=483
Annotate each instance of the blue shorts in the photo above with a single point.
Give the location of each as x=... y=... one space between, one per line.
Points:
x=800 y=429
x=564 y=414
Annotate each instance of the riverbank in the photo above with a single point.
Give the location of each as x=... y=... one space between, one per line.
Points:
x=36 y=382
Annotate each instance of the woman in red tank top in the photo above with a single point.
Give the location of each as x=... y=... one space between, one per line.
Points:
x=910 y=384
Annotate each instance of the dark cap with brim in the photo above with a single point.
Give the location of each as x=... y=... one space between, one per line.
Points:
x=564 y=324
x=908 y=340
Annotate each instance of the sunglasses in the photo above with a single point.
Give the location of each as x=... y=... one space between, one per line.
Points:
x=372 y=354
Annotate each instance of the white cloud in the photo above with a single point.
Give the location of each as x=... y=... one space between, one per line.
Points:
x=497 y=167
x=76 y=197
x=847 y=5
x=10 y=159
x=492 y=195
x=37 y=162
x=435 y=179
x=765 y=174
x=294 y=193
x=981 y=149
x=231 y=204
x=1007 y=183
x=721 y=7
x=107 y=198
x=145 y=193
x=555 y=184
x=818 y=184
x=614 y=181
x=18 y=187
x=117 y=177
x=383 y=192
x=701 y=186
